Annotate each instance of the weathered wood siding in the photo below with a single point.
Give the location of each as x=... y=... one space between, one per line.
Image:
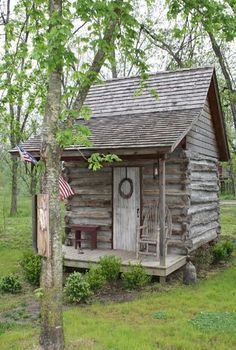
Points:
x=92 y=202
x=203 y=155
x=203 y=212
x=201 y=139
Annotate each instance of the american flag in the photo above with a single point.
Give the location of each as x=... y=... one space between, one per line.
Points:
x=25 y=156
x=65 y=190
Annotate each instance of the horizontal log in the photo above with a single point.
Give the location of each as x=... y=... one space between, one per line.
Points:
x=96 y=203
x=204 y=177
x=92 y=191
x=204 y=238
x=203 y=198
x=201 y=166
x=204 y=187
x=203 y=208
x=204 y=218
x=90 y=221
x=195 y=156
x=201 y=229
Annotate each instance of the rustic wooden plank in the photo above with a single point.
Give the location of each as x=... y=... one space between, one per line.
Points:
x=43 y=224
x=34 y=222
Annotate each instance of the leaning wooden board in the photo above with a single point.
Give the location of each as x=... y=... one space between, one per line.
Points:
x=43 y=225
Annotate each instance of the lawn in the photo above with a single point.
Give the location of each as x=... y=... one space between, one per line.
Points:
x=228 y=220
x=155 y=320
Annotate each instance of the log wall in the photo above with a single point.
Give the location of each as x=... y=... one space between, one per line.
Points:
x=92 y=202
x=203 y=212
x=203 y=154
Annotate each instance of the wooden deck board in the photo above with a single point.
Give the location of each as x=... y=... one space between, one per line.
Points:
x=72 y=258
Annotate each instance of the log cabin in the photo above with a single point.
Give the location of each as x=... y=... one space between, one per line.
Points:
x=161 y=201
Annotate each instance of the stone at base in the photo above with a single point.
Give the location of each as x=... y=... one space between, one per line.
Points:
x=162 y=279
x=190 y=274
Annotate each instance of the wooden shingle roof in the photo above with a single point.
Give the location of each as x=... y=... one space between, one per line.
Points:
x=158 y=115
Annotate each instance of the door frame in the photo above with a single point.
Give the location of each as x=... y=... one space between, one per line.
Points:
x=112 y=193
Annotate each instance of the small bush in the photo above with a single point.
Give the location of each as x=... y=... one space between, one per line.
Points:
x=110 y=266
x=136 y=277
x=95 y=278
x=222 y=251
x=76 y=288
x=31 y=265
x=203 y=257
x=229 y=246
x=10 y=284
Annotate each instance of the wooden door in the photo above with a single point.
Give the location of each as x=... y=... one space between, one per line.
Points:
x=126 y=207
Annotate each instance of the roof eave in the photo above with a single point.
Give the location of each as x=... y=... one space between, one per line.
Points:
x=218 y=119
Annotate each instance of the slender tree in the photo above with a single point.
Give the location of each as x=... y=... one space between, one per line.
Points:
x=21 y=83
x=109 y=21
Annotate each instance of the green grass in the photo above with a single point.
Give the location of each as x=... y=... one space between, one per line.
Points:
x=228 y=220
x=177 y=318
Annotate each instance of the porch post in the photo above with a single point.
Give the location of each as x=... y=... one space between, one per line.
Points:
x=162 y=205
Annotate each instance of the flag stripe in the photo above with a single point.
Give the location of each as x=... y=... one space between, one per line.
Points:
x=64 y=188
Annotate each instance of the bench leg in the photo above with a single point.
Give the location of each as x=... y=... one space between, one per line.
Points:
x=77 y=239
x=94 y=240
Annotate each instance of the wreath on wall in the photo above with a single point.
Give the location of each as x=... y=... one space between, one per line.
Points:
x=126 y=179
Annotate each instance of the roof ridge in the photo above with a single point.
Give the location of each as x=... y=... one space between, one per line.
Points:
x=151 y=74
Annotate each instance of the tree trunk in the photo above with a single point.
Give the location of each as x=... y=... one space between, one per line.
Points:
x=52 y=335
x=113 y=65
x=229 y=85
x=13 y=210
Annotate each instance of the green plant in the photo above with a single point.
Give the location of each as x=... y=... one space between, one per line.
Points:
x=76 y=288
x=203 y=257
x=95 y=278
x=215 y=321
x=222 y=251
x=136 y=277
x=110 y=266
x=31 y=265
x=229 y=246
x=10 y=284
x=161 y=315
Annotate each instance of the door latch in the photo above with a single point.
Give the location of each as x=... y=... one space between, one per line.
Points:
x=138 y=211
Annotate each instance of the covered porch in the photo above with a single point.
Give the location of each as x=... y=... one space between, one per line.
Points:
x=72 y=258
x=126 y=215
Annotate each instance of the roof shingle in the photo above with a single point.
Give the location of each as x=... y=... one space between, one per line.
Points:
x=122 y=118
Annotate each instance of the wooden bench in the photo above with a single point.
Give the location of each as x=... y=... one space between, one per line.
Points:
x=90 y=234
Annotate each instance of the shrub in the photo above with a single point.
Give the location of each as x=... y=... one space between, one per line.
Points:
x=95 y=278
x=222 y=251
x=10 y=284
x=110 y=266
x=229 y=246
x=136 y=277
x=203 y=257
x=76 y=288
x=31 y=265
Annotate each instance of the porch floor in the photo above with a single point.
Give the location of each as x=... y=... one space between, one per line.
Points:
x=72 y=258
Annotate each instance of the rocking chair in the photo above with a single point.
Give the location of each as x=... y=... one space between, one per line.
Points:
x=148 y=234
